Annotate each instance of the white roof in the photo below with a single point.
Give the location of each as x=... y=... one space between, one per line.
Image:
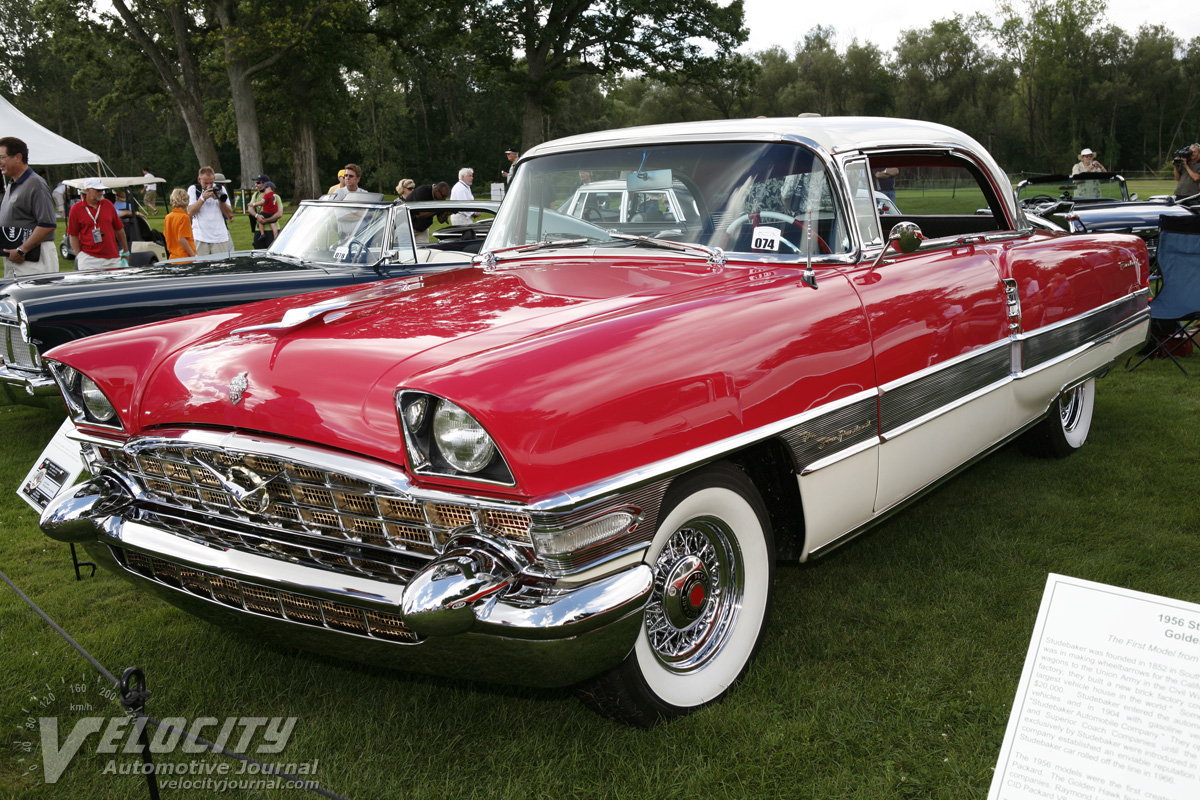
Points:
x=45 y=146
x=833 y=134
x=116 y=183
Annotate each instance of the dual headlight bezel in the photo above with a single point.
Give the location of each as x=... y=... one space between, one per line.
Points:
x=443 y=440
x=85 y=400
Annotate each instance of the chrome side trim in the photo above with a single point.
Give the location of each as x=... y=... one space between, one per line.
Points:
x=942 y=387
x=1054 y=341
x=945 y=409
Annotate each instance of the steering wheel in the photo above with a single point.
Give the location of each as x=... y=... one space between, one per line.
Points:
x=356 y=252
x=592 y=215
x=732 y=228
x=1039 y=198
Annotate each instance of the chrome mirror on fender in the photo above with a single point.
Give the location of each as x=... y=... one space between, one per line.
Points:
x=905 y=236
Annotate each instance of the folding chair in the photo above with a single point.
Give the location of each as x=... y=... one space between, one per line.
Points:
x=1176 y=306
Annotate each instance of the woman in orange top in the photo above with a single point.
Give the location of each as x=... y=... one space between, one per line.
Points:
x=177 y=227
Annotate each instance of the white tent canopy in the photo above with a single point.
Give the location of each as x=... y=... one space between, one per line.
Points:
x=45 y=146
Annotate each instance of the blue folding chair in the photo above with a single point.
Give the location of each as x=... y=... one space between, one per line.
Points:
x=1176 y=307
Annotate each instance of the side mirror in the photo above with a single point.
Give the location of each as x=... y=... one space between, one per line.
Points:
x=1133 y=196
x=906 y=236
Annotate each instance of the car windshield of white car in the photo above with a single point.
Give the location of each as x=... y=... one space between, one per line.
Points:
x=765 y=199
x=340 y=233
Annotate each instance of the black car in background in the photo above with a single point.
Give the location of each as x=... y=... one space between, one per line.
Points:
x=1098 y=202
x=326 y=244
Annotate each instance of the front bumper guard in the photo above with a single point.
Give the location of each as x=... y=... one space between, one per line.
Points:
x=465 y=606
x=22 y=387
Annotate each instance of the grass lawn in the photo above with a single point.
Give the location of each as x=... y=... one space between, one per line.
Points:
x=888 y=669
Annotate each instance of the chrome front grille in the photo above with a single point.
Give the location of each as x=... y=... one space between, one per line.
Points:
x=267 y=601
x=17 y=352
x=283 y=509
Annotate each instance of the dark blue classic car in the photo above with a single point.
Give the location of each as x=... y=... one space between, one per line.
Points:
x=326 y=244
x=1098 y=202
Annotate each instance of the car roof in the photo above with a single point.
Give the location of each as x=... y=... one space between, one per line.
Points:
x=833 y=134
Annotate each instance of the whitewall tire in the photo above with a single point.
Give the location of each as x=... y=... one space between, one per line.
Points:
x=713 y=559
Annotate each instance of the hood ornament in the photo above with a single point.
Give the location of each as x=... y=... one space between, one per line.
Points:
x=238 y=386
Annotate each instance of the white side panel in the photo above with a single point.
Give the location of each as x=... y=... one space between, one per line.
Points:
x=838 y=498
x=913 y=460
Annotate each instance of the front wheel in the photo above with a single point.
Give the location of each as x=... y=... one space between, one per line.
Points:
x=713 y=557
x=1065 y=429
x=64 y=249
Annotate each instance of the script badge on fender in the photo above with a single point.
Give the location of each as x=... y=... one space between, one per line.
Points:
x=237 y=386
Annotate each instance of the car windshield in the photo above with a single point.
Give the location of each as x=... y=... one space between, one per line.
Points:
x=341 y=233
x=744 y=197
x=1085 y=187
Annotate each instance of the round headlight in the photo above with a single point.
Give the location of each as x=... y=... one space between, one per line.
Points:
x=95 y=401
x=461 y=440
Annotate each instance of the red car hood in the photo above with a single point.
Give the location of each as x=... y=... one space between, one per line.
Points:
x=481 y=340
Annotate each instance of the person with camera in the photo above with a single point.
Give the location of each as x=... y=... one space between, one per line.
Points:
x=1187 y=173
x=208 y=206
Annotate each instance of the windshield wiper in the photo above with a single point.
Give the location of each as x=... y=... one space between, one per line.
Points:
x=488 y=258
x=716 y=256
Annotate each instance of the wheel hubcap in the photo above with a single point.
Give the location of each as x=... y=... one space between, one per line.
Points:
x=697 y=595
x=1070 y=409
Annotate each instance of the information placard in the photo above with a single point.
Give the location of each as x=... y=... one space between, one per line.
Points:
x=1108 y=707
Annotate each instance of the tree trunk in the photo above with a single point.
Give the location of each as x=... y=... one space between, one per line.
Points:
x=244 y=111
x=304 y=142
x=532 y=123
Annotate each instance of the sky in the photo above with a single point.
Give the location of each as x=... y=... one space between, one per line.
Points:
x=783 y=23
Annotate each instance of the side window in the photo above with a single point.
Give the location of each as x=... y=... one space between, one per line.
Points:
x=402 y=238
x=946 y=195
x=862 y=195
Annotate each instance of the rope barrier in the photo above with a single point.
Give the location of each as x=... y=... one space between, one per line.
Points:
x=133 y=692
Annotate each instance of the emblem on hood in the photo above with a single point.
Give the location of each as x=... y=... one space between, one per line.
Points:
x=247 y=488
x=237 y=386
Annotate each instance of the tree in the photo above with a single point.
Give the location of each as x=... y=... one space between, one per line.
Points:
x=564 y=39
x=165 y=31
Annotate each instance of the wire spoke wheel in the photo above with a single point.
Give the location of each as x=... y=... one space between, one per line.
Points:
x=713 y=560
x=698 y=591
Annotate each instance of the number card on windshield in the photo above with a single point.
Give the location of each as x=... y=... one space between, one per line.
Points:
x=765 y=239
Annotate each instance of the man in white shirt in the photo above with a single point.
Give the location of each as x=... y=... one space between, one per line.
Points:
x=462 y=191
x=208 y=206
x=352 y=174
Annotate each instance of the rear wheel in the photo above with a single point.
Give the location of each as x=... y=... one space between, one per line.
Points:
x=713 y=558
x=64 y=249
x=1065 y=429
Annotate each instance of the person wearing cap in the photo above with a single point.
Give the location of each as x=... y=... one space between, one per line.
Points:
x=96 y=231
x=509 y=170
x=266 y=210
x=150 y=193
x=27 y=218
x=208 y=206
x=1087 y=162
x=341 y=184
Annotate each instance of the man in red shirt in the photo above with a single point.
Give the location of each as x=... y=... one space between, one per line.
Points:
x=97 y=235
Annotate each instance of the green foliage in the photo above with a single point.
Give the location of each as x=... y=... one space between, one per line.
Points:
x=417 y=90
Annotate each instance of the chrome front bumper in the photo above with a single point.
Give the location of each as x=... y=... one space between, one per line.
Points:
x=23 y=387
x=467 y=613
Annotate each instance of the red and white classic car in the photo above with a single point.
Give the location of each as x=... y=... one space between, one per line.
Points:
x=577 y=460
